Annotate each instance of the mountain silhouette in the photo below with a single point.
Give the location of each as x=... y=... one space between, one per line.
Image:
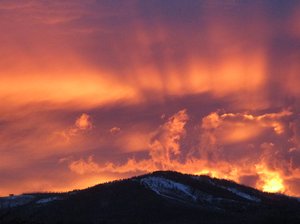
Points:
x=158 y=197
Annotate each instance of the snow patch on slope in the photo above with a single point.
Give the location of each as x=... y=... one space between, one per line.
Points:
x=47 y=200
x=168 y=188
x=180 y=192
x=171 y=189
x=231 y=189
x=243 y=195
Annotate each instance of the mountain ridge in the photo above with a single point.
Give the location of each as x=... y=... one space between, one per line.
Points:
x=158 y=197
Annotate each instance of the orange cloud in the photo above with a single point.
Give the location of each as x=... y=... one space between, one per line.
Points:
x=229 y=128
x=82 y=167
x=165 y=144
x=83 y=90
x=165 y=151
x=84 y=122
x=164 y=147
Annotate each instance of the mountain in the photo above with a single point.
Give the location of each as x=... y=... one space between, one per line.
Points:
x=159 y=197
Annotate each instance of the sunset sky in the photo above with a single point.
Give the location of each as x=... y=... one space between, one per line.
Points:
x=97 y=90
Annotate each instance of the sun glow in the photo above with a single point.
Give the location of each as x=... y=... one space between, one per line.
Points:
x=271 y=181
x=273 y=185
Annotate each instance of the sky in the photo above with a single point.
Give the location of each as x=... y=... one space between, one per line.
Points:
x=98 y=90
